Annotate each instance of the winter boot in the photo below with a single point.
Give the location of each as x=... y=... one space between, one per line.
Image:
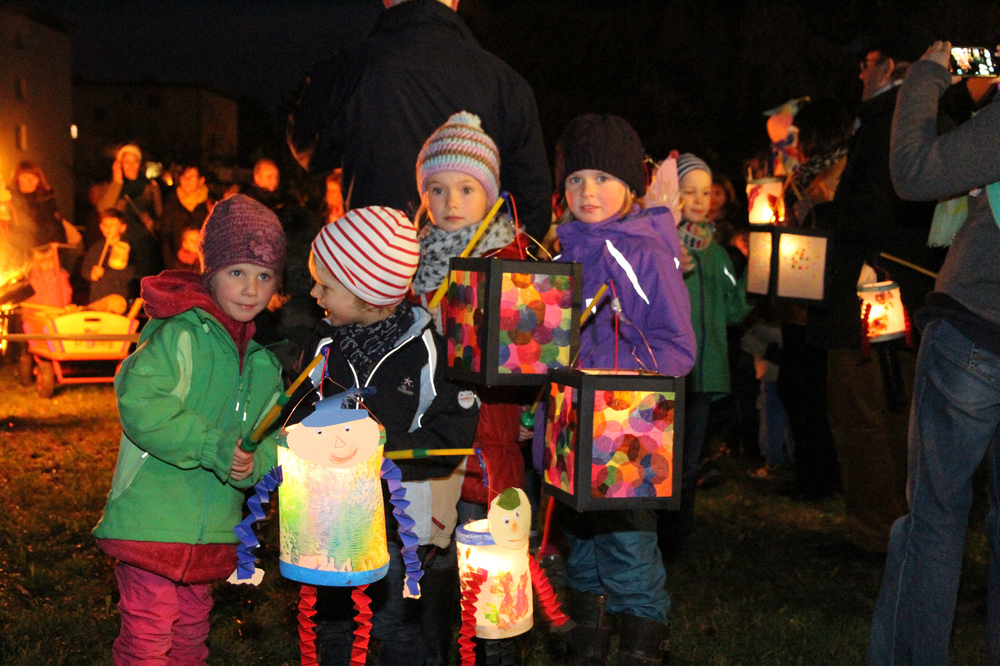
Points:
x=643 y=642
x=588 y=640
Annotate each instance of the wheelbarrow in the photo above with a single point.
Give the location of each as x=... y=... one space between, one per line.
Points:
x=71 y=347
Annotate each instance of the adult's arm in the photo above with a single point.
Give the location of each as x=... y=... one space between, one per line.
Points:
x=926 y=166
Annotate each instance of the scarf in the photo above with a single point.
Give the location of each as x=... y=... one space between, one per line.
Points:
x=437 y=247
x=816 y=165
x=191 y=201
x=364 y=346
x=696 y=235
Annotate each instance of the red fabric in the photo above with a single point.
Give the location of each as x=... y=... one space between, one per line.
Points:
x=496 y=436
x=516 y=249
x=179 y=562
x=163 y=623
x=173 y=292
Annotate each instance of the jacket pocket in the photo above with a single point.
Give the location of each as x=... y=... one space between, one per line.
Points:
x=130 y=460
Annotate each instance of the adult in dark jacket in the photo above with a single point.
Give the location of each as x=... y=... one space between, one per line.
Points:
x=37 y=221
x=371 y=108
x=868 y=419
x=185 y=208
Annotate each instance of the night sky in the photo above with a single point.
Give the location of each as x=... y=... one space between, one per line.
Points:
x=689 y=74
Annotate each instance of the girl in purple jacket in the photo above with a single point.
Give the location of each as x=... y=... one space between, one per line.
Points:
x=614 y=565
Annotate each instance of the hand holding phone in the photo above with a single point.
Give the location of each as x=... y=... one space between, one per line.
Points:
x=969 y=61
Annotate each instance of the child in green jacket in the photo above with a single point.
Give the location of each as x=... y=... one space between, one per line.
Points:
x=196 y=385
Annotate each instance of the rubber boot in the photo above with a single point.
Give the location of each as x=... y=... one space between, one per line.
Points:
x=643 y=642
x=588 y=640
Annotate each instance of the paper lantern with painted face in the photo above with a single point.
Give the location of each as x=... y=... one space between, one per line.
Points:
x=509 y=322
x=332 y=518
x=613 y=439
x=498 y=545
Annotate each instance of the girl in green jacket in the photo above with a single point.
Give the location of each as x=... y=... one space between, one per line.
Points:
x=196 y=385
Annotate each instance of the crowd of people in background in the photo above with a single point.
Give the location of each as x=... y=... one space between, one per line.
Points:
x=791 y=387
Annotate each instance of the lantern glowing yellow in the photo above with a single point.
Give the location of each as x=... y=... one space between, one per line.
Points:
x=886 y=318
x=498 y=546
x=332 y=517
x=787 y=263
x=767 y=200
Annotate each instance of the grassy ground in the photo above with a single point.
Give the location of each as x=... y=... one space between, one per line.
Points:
x=767 y=580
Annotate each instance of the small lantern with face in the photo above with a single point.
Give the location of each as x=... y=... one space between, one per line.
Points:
x=497 y=574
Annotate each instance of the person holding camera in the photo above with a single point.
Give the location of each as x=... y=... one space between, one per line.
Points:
x=956 y=397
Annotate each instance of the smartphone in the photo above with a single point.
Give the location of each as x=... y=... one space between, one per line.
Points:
x=972 y=61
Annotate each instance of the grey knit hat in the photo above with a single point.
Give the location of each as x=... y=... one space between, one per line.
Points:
x=689 y=162
x=241 y=230
x=605 y=143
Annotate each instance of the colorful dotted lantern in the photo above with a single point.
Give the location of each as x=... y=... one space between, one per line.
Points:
x=886 y=318
x=613 y=439
x=509 y=322
x=787 y=264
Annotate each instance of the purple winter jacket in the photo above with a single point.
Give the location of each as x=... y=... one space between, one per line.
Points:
x=639 y=254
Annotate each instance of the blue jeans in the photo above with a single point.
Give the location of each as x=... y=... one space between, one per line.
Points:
x=614 y=553
x=953 y=426
x=774 y=430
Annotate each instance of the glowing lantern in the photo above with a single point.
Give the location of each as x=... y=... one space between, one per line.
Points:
x=886 y=316
x=509 y=322
x=612 y=439
x=498 y=575
x=332 y=516
x=767 y=200
x=498 y=545
x=788 y=264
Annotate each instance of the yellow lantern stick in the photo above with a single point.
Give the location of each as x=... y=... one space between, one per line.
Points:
x=593 y=303
x=410 y=454
x=273 y=413
x=443 y=289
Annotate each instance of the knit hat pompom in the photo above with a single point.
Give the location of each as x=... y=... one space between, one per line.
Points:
x=373 y=251
x=241 y=230
x=604 y=143
x=688 y=162
x=461 y=145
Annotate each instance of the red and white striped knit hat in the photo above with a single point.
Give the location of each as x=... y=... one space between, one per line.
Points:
x=373 y=251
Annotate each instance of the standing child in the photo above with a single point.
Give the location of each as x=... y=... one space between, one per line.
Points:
x=458 y=171
x=363 y=264
x=194 y=388
x=614 y=565
x=718 y=300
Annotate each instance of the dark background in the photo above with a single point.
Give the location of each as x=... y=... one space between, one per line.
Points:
x=691 y=75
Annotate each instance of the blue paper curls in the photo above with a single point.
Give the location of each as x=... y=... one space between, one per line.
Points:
x=244 y=530
x=397 y=496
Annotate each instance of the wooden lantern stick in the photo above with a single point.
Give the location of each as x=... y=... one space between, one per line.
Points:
x=410 y=454
x=443 y=289
x=273 y=413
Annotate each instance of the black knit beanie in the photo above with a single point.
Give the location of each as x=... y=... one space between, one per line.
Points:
x=604 y=143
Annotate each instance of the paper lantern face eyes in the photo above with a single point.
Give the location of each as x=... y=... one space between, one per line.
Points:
x=339 y=446
x=510 y=526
